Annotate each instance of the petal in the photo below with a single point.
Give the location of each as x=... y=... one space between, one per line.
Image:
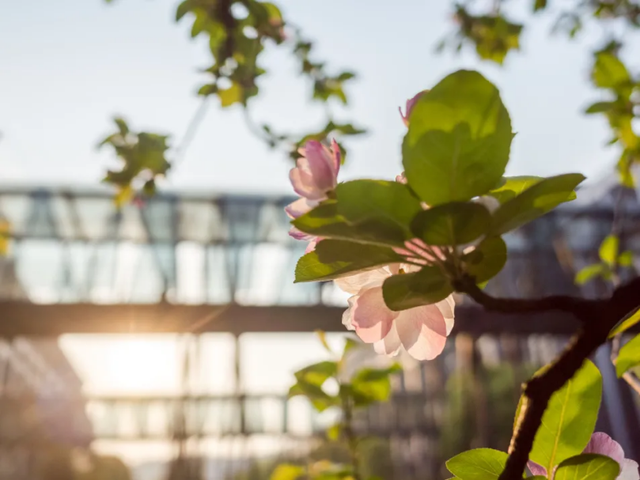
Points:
x=304 y=185
x=536 y=469
x=299 y=234
x=299 y=207
x=628 y=470
x=348 y=314
x=389 y=345
x=371 y=318
x=320 y=163
x=422 y=331
x=354 y=283
x=401 y=178
x=604 y=445
x=447 y=307
x=336 y=156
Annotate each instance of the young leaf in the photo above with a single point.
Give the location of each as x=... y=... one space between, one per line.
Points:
x=318 y=373
x=609 y=71
x=409 y=290
x=459 y=138
x=609 y=249
x=625 y=259
x=453 y=223
x=535 y=201
x=569 y=419
x=322 y=336
x=478 y=464
x=589 y=272
x=629 y=356
x=588 y=466
x=337 y=258
x=487 y=259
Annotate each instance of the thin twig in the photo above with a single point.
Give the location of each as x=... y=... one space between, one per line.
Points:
x=598 y=317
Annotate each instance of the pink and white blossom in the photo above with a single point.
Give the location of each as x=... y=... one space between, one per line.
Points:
x=315 y=175
x=422 y=331
x=602 y=444
x=409 y=106
x=316 y=172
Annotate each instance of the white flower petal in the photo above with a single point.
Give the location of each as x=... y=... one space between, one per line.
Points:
x=422 y=331
x=389 y=345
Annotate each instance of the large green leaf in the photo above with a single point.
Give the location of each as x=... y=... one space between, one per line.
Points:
x=535 y=201
x=487 y=259
x=588 y=466
x=338 y=258
x=409 y=290
x=325 y=221
x=389 y=203
x=512 y=186
x=629 y=356
x=458 y=142
x=569 y=420
x=478 y=464
x=453 y=223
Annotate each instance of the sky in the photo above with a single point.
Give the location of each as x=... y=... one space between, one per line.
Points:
x=68 y=67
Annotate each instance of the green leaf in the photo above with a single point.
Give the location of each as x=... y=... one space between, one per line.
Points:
x=600 y=107
x=320 y=399
x=569 y=419
x=182 y=9
x=478 y=464
x=589 y=272
x=231 y=95
x=535 y=201
x=333 y=432
x=629 y=356
x=338 y=258
x=588 y=466
x=487 y=259
x=609 y=71
x=325 y=221
x=625 y=259
x=322 y=336
x=626 y=323
x=609 y=249
x=372 y=385
x=513 y=186
x=286 y=471
x=539 y=5
x=318 y=373
x=389 y=203
x=409 y=290
x=458 y=141
x=451 y=224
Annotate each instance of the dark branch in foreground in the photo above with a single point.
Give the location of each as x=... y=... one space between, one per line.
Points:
x=598 y=316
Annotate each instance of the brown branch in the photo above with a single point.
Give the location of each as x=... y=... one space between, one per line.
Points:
x=598 y=317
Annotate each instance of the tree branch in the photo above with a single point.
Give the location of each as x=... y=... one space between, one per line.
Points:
x=598 y=316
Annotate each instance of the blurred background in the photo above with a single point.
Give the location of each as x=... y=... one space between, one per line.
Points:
x=159 y=340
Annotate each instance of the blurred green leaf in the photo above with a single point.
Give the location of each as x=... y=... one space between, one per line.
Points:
x=409 y=290
x=333 y=432
x=478 y=464
x=451 y=224
x=486 y=260
x=569 y=419
x=589 y=272
x=338 y=258
x=231 y=95
x=318 y=373
x=609 y=249
x=371 y=385
x=626 y=259
x=610 y=72
x=588 y=466
x=322 y=336
x=629 y=356
x=539 y=5
x=457 y=145
x=286 y=471
x=600 y=107
x=535 y=201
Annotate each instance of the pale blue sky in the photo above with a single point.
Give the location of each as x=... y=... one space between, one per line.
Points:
x=67 y=66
